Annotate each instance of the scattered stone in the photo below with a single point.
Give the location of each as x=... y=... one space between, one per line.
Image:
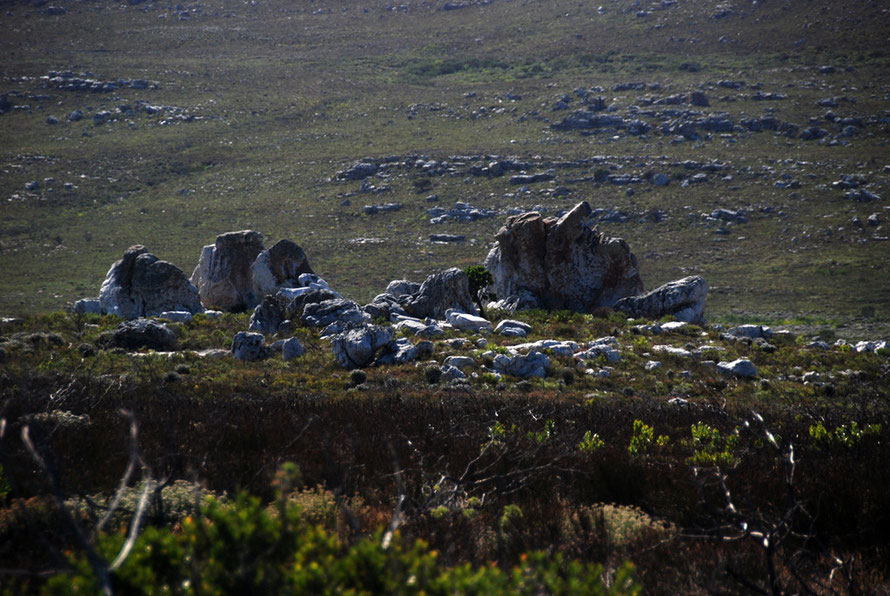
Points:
x=699 y=98
x=511 y=328
x=249 y=346
x=144 y=333
x=358 y=171
x=684 y=299
x=752 y=331
x=223 y=275
x=468 y=322
x=533 y=364
x=176 y=316
x=653 y=365
x=357 y=347
x=460 y=362
x=740 y=368
x=141 y=285
x=660 y=179
x=447 y=238
x=673 y=351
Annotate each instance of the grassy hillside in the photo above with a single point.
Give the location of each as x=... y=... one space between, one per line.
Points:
x=262 y=104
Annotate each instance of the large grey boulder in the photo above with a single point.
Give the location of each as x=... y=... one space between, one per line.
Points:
x=249 y=346
x=322 y=314
x=357 y=347
x=684 y=299
x=296 y=306
x=439 y=293
x=467 y=322
x=563 y=263
x=278 y=267
x=141 y=285
x=223 y=275
x=144 y=333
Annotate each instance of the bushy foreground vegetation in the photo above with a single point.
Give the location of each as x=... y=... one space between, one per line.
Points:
x=704 y=482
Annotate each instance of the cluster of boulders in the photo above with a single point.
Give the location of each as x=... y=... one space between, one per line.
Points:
x=537 y=262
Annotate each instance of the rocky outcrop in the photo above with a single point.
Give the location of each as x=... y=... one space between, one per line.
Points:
x=441 y=292
x=562 y=262
x=322 y=314
x=141 y=285
x=278 y=267
x=684 y=299
x=223 y=275
x=268 y=315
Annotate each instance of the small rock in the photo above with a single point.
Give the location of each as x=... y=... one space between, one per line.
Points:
x=292 y=348
x=144 y=333
x=740 y=368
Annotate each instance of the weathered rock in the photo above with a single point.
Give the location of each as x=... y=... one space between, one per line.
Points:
x=398 y=351
x=298 y=304
x=449 y=289
x=564 y=263
x=91 y=306
x=249 y=346
x=511 y=328
x=467 y=322
x=383 y=306
x=144 y=333
x=223 y=275
x=322 y=314
x=278 y=267
x=660 y=179
x=292 y=348
x=356 y=347
x=684 y=299
x=401 y=287
x=740 y=368
x=460 y=362
x=268 y=315
x=141 y=285
x=533 y=364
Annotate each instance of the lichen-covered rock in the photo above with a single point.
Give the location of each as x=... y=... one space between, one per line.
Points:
x=562 y=262
x=684 y=299
x=144 y=333
x=278 y=267
x=223 y=275
x=141 y=285
x=357 y=347
x=439 y=293
x=401 y=287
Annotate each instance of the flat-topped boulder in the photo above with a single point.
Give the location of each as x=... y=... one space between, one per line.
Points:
x=563 y=263
x=224 y=274
x=142 y=285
